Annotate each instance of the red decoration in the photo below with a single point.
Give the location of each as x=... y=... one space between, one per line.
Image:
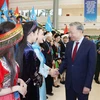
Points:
x=16 y=12
x=66 y=30
x=2 y=1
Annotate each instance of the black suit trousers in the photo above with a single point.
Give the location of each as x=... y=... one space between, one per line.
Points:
x=72 y=95
x=97 y=71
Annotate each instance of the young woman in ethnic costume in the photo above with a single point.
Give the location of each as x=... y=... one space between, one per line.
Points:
x=26 y=57
x=9 y=88
x=44 y=70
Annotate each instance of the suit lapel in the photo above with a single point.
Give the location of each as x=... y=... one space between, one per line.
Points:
x=71 y=50
x=80 y=49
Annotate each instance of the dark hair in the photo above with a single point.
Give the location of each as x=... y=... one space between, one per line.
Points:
x=29 y=27
x=53 y=32
x=46 y=32
x=99 y=38
x=86 y=36
x=8 y=53
x=21 y=46
x=57 y=35
x=6 y=26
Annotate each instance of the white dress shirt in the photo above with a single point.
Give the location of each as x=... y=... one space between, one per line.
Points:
x=80 y=41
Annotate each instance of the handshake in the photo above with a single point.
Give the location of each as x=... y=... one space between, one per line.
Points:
x=54 y=72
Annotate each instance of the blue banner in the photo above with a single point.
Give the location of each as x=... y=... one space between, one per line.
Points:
x=48 y=25
x=5 y=8
x=33 y=15
x=90 y=10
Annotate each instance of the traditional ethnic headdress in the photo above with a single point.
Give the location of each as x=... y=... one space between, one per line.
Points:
x=11 y=38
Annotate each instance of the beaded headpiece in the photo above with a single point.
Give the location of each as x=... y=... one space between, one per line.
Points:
x=11 y=38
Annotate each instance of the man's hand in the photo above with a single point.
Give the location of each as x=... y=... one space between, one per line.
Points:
x=98 y=51
x=86 y=90
x=54 y=72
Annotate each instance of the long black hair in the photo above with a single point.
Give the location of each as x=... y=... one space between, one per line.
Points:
x=8 y=53
x=28 y=27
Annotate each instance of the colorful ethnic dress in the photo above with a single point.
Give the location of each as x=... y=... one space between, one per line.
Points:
x=43 y=69
x=5 y=79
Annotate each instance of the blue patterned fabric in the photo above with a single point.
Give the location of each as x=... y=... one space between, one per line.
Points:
x=43 y=69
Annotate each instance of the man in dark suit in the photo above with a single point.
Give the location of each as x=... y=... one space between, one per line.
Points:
x=97 y=71
x=65 y=39
x=80 y=62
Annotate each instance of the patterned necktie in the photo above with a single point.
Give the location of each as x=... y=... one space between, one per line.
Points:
x=74 y=51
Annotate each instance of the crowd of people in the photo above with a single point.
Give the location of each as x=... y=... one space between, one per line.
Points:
x=32 y=60
x=33 y=55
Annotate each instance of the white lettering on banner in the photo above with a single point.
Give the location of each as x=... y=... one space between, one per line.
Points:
x=90 y=5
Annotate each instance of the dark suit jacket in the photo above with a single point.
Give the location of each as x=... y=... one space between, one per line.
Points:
x=62 y=51
x=98 y=48
x=47 y=53
x=79 y=72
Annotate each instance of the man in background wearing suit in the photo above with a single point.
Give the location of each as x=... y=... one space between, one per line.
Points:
x=80 y=62
x=97 y=71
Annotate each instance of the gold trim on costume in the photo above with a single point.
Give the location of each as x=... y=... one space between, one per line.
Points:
x=12 y=37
